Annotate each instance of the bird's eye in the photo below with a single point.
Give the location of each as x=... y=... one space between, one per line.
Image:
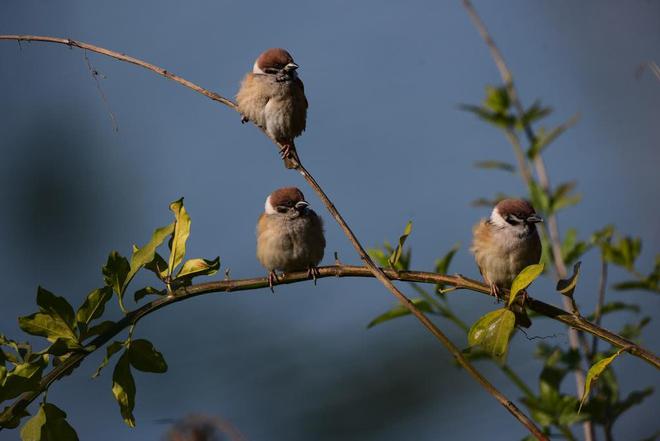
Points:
x=512 y=220
x=282 y=209
x=271 y=70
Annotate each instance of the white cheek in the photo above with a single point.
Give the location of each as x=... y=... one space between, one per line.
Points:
x=256 y=69
x=268 y=208
x=497 y=219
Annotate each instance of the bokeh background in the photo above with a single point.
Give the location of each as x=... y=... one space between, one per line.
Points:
x=386 y=140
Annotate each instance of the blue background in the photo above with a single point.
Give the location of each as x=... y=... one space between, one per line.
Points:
x=385 y=139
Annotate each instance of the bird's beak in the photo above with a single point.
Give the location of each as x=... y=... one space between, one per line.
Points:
x=533 y=219
x=301 y=205
x=291 y=66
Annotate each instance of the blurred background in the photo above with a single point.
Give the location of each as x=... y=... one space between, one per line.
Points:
x=387 y=141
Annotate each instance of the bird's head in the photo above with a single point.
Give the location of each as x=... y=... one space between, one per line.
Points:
x=288 y=201
x=515 y=215
x=277 y=62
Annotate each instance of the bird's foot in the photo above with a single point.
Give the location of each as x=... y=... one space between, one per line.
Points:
x=285 y=151
x=313 y=272
x=272 y=278
x=495 y=292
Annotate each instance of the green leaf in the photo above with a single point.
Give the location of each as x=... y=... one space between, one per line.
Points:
x=633 y=331
x=24 y=377
x=540 y=199
x=492 y=332
x=147 y=290
x=497 y=99
x=158 y=265
x=144 y=357
x=497 y=165
x=45 y=325
x=123 y=388
x=615 y=307
x=594 y=372
x=49 y=424
x=111 y=350
x=562 y=196
x=571 y=248
x=624 y=252
x=396 y=255
x=199 y=267
x=11 y=419
x=181 y=233
x=55 y=306
x=115 y=272
x=500 y=120
x=567 y=286
x=442 y=264
x=93 y=306
x=534 y=113
x=99 y=329
x=147 y=256
x=400 y=311
x=543 y=138
x=60 y=347
x=524 y=279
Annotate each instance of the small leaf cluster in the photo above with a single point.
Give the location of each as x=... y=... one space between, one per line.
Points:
x=71 y=333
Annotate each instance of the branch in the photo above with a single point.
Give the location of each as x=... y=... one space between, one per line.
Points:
x=375 y=270
x=229 y=286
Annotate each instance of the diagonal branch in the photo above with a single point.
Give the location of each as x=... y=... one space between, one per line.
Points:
x=375 y=270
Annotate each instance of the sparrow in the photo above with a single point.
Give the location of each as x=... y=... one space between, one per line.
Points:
x=505 y=244
x=289 y=235
x=273 y=97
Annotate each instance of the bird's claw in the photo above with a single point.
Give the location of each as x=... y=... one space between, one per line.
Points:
x=495 y=292
x=285 y=151
x=272 y=278
x=313 y=272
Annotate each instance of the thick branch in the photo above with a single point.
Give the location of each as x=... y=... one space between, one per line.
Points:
x=229 y=286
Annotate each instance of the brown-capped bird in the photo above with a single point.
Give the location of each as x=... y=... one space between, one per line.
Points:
x=505 y=244
x=289 y=234
x=273 y=97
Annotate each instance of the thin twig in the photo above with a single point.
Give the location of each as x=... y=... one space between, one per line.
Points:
x=539 y=165
x=602 y=289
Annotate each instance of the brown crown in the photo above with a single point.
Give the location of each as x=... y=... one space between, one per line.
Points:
x=275 y=58
x=518 y=207
x=286 y=197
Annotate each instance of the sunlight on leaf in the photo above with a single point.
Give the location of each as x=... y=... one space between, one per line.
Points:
x=396 y=255
x=594 y=372
x=567 y=286
x=524 y=279
x=123 y=388
x=492 y=332
x=181 y=233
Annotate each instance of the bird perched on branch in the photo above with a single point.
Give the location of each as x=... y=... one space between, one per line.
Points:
x=505 y=244
x=289 y=234
x=273 y=97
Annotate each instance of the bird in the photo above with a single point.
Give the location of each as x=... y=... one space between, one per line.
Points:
x=505 y=244
x=289 y=235
x=273 y=97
